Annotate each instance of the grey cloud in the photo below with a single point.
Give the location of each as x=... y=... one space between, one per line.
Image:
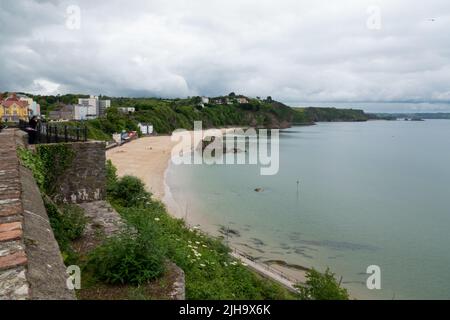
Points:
x=297 y=51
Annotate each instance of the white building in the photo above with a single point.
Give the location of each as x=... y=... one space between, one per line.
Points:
x=242 y=100
x=205 y=100
x=146 y=128
x=80 y=112
x=127 y=110
x=83 y=112
x=96 y=107
x=35 y=108
x=103 y=105
x=91 y=107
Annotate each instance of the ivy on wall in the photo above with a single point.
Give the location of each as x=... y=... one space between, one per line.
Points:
x=55 y=159
x=48 y=163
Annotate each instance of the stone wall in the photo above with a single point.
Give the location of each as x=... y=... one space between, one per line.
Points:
x=31 y=266
x=13 y=259
x=85 y=179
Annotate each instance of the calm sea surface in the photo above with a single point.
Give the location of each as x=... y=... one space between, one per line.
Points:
x=374 y=193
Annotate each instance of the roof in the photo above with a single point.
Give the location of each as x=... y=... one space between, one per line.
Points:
x=9 y=102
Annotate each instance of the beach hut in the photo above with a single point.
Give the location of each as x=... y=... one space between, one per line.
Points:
x=146 y=128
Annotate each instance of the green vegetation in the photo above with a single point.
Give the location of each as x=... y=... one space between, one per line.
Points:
x=419 y=115
x=49 y=103
x=138 y=254
x=52 y=160
x=128 y=192
x=322 y=287
x=47 y=164
x=67 y=221
x=34 y=163
x=129 y=258
x=311 y=115
x=167 y=115
x=211 y=273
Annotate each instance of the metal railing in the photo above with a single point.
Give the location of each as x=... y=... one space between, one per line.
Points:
x=46 y=132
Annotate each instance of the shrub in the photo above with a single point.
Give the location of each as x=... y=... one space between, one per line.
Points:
x=129 y=258
x=129 y=192
x=34 y=163
x=111 y=176
x=55 y=159
x=322 y=287
x=68 y=224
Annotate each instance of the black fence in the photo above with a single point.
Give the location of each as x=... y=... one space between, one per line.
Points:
x=46 y=132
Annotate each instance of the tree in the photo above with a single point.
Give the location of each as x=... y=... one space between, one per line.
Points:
x=269 y=99
x=321 y=287
x=232 y=94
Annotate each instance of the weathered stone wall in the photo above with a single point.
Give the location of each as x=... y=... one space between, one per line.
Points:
x=85 y=179
x=31 y=266
x=13 y=259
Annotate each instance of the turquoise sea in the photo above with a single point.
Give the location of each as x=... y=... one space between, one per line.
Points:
x=370 y=193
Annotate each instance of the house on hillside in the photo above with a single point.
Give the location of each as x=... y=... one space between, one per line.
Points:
x=35 y=108
x=205 y=100
x=242 y=100
x=127 y=110
x=221 y=100
x=12 y=109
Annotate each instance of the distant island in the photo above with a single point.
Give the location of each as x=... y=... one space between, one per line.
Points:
x=418 y=115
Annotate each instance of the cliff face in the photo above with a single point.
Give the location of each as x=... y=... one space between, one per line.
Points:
x=274 y=115
x=311 y=115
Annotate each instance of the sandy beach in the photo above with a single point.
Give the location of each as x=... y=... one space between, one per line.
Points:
x=148 y=158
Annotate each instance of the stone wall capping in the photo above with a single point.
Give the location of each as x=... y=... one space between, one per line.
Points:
x=21 y=276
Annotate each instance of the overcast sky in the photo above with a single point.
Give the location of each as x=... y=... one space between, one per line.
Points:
x=299 y=52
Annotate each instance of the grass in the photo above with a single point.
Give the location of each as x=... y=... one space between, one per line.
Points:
x=211 y=273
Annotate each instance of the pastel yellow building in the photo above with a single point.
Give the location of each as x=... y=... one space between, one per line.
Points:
x=13 y=109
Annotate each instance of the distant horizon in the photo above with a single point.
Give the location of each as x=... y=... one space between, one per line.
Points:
x=406 y=107
x=295 y=51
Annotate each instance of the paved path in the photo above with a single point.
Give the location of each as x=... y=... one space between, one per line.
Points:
x=266 y=271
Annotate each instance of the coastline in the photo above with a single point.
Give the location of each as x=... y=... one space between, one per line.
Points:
x=149 y=158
